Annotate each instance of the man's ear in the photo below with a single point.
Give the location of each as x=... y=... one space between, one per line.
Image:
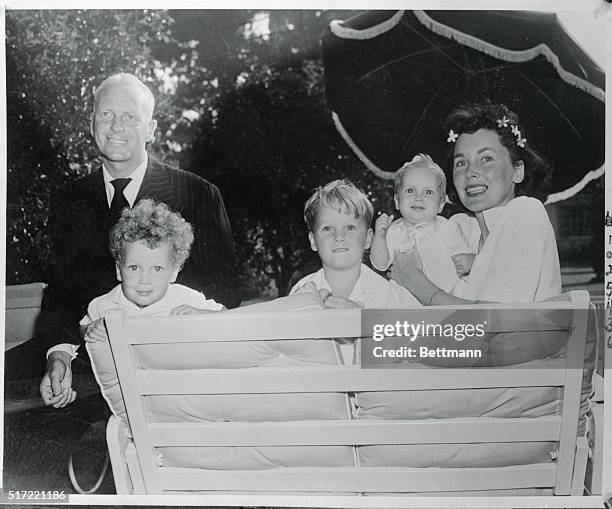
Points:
x=118 y=272
x=151 y=131
x=313 y=244
x=91 y=124
x=519 y=172
x=368 y=239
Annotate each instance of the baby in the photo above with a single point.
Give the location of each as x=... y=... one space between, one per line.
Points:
x=436 y=244
x=150 y=243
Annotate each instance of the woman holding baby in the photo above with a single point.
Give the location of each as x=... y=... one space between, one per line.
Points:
x=502 y=181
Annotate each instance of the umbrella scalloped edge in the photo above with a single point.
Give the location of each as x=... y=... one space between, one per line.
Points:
x=510 y=55
x=337 y=28
x=568 y=193
x=379 y=172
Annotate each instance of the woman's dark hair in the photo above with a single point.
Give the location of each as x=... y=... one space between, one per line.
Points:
x=469 y=118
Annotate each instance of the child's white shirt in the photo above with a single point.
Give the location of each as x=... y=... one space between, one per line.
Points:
x=175 y=296
x=370 y=290
x=435 y=243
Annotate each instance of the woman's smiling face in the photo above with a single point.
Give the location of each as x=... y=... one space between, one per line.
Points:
x=483 y=173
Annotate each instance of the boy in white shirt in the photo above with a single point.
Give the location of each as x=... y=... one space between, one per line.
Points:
x=338 y=216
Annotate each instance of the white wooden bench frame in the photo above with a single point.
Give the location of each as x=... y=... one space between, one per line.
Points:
x=134 y=463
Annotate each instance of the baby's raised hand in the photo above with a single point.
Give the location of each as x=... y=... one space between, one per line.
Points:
x=463 y=263
x=382 y=223
x=185 y=309
x=94 y=331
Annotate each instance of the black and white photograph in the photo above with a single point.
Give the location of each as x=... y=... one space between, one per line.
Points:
x=306 y=257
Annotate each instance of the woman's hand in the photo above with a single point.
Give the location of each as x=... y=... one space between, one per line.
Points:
x=411 y=277
x=407 y=273
x=407 y=270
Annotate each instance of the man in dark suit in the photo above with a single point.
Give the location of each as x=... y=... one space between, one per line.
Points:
x=82 y=216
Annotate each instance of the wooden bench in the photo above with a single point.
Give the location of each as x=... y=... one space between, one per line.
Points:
x=134 y=455
x=22 y=307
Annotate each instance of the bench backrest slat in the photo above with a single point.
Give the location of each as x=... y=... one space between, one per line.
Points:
x=245 y=326
x=339 y=379
x=352 y=479
x=430 y=431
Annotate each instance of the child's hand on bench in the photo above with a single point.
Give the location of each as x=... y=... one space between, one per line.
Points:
x=335 y=302
x=94 y=331
x=185 y=309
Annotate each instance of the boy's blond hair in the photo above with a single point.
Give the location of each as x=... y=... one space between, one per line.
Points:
x=342 y=196
x=421 y=161
x=153 y=223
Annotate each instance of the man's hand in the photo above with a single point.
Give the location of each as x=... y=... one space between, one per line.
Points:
x=382 y=223
x=463 y=263
x=94 y=331
x=56 y=386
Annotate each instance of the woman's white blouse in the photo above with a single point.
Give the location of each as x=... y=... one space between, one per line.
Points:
x=519 y=261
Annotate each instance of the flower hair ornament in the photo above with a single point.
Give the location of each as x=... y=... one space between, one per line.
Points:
x=505 y=122
x=501 y=123
x=452 y=137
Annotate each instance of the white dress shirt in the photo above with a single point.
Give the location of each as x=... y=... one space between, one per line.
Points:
x=131 y=190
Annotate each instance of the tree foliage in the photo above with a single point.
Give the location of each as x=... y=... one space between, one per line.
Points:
x=271 y=143
x=267 y=139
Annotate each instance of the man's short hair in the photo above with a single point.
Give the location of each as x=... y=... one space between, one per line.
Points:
x=154 y=223
x=342 y=196
x=421 y=161
x=127 y=79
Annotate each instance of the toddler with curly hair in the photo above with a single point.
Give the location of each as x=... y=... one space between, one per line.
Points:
x=150 y=244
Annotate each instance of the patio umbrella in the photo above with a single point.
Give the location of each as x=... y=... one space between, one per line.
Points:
x=392 y=77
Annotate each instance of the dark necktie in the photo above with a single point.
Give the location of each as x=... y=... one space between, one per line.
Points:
x=119 y=201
